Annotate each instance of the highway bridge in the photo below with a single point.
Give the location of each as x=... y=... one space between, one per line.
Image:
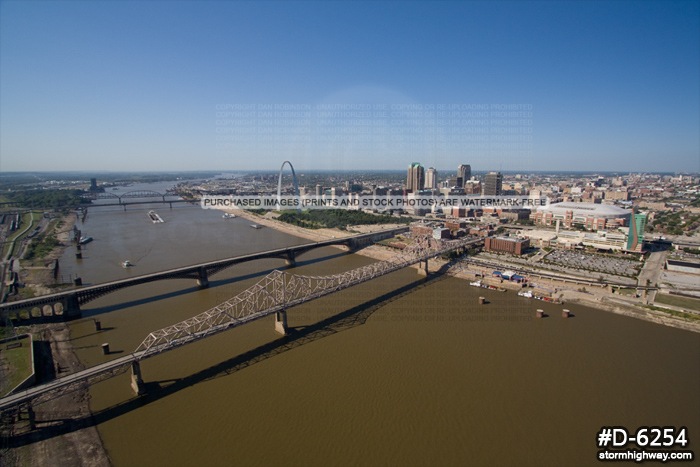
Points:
x=67 y=304
x=273 y=294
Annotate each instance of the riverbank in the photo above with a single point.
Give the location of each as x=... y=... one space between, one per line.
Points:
x=317 y=235
x=597 y=297
x=594 y=297
x=37 y=277
x=64 y=434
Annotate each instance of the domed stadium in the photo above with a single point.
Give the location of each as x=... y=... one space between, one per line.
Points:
x=591 y=215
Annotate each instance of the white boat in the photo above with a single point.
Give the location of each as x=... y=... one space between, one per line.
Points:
x=84 y=240
x=526 y=294
x=256 y=226
x=228 y=215
x=155 y=218
x=126 y=264
x=476 y=284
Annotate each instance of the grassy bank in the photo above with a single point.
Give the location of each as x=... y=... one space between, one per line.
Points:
x=11 y=241
x=16 y=362
x=675 y=300
x=337 y=219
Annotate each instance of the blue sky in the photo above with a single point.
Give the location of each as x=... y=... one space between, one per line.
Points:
x=140 y=85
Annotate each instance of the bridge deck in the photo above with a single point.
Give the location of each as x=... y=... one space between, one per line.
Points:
x=93 y=291
x=228 y=315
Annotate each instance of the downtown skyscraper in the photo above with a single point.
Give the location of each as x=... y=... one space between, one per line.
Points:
x=431 y=178
x=415 y=179
x=493 y=184
x=464 y=173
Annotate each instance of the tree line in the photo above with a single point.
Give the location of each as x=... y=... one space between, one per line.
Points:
x=48 y=199
x=337 y=218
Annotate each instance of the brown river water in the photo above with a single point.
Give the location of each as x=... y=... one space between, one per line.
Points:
x=397 y=371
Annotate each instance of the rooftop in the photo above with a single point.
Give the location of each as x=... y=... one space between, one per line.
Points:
x=592 y=209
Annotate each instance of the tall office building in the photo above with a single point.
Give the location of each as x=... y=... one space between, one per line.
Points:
x=635 y=237
x=493 y=184
x=416 y=177
x=464 y=171
x=431 y=178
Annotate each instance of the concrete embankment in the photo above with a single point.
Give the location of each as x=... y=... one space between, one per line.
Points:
x=63 y=432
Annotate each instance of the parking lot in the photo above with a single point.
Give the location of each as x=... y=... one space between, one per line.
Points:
x=594 y=263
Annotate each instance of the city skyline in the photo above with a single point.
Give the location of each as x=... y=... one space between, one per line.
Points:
x=522 y=86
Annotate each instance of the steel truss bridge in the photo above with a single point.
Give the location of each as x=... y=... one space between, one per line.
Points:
x=273 y=294
x=134 y=194
x=133 y=197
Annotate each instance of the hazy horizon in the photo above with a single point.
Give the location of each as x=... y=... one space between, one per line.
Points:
x=94 y=173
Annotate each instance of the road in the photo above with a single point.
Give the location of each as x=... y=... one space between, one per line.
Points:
x=651 y=271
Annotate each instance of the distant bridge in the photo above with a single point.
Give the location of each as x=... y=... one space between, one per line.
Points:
x=134 y=197
x=134 y=194
x=273 y=294
x=67 y=304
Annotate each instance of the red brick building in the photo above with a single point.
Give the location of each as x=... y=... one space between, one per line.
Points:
x=512 y=245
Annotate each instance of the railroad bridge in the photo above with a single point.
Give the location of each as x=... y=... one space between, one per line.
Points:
x=134 y=194
x=66 y=305
x=133 y=197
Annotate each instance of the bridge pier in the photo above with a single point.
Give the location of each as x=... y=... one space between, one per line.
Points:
x=355 y=244
x=71 y=307
x=423 y=268
x=203 y=281
x=136 y=379
x=25 y=410
x=291 y=259
x=281 y=322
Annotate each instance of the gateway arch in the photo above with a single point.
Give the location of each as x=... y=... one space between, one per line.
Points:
x=279 y=183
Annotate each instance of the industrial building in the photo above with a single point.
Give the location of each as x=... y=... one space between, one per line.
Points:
x=688 y=267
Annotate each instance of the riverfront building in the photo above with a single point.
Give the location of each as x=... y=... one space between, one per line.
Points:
x=512 y=245
x=688 y=267
x=606 y=240
x=635 y=237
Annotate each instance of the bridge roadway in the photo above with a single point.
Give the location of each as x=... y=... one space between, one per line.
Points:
x=273 y=294
x=145 y=201
x=72 y=299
